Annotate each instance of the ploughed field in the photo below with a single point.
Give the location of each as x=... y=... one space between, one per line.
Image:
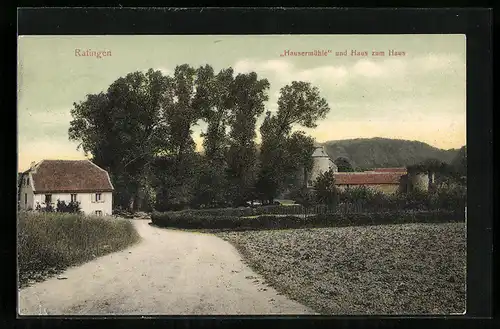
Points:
x=414 y=268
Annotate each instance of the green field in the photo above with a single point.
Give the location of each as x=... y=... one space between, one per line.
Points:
x=48 y=243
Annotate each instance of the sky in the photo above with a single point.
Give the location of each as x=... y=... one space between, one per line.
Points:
x=416 y=92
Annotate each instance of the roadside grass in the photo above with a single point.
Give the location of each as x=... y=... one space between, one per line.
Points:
x=385 y=269
x=48 y=243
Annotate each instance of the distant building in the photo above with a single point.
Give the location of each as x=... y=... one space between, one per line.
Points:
x=66 y=180
x=386 y=180
x=322 y=163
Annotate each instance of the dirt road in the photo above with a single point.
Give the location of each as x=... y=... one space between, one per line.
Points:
x=168 y=272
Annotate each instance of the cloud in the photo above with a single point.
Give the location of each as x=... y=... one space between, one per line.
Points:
x=336 y=75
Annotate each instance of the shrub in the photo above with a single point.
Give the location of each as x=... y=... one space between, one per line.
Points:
x=284 y=222
x=70 y=207
x=454 y=197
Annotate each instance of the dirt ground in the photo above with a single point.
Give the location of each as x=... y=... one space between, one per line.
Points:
x=415 y=269
x=168 y=273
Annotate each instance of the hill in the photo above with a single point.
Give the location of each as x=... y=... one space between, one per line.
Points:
x=366 y=153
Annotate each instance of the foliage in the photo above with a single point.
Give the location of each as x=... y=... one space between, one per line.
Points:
x=249 y=94
x=325 y=189
x=299 y=161
x=213 y=222
x=343 y=164
x=51 y=242
x=71 y=207
x=210 y=189
x=300 y=104
x=460 y=161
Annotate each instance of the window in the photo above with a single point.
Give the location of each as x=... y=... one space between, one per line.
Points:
x=98 y=213
x=28 y=181
x=73 y=197
x=98 y=197
x=48 y=198
x=310 y=182
x=25 y=198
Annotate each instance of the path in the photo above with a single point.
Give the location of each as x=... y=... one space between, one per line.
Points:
x=169 y=272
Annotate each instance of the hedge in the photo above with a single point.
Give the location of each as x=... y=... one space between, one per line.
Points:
x=189 y=221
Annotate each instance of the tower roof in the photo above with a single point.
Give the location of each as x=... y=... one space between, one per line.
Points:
x=320 y=152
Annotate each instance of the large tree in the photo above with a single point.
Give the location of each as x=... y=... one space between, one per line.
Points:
x=139 y=117
x=119 y=129
x=299 y=104
x=249 y=94
x=299 y=162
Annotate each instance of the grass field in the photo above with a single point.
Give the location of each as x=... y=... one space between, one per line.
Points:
x=50 y=242
x=384 y=269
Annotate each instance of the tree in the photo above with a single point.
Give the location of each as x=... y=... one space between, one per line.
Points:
x=215 y=101
x=249 y=94
x=272 y=157
x=119 y=128
x=325 y=189
x=299 y=104
x=304 y=197
x=460 y=162
x=343 y=164
x=141 y=116
x=299 y=163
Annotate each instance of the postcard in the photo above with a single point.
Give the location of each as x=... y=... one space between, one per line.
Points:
x=242 y=175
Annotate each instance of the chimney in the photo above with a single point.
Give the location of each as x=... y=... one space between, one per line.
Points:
x=32 y=164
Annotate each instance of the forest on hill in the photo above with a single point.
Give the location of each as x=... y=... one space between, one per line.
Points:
x=367 y=153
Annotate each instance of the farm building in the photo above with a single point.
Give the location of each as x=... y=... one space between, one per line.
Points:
x=66 y=180
x=386 y=180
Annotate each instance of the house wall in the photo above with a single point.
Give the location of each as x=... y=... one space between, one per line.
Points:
x=321 y=165
x=419 y=182
x=87 y=201
x=26 y=189
x=384 y=188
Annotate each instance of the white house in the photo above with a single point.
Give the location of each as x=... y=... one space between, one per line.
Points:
x=67 y=180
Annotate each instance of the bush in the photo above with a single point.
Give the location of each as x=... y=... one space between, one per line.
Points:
x=450 y=198
x=187 y=221
x=50 y=242
x=70 y=207
x=44 y=207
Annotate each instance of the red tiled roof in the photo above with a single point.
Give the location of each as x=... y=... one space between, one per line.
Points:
x=367 y=178
x=70 y=176
x=390 y=170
